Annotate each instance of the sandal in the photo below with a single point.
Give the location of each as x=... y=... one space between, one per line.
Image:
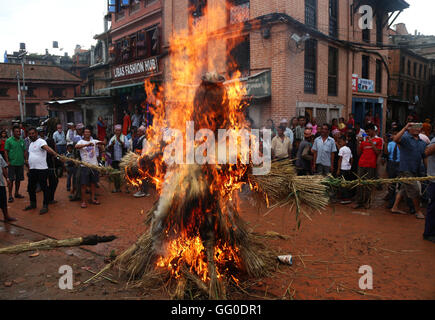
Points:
x=83 y=205
x=96 y=202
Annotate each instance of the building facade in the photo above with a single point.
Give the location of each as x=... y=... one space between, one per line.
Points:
x=312 y=57
x=43 y=83
x=411 y=86
x=135 y=53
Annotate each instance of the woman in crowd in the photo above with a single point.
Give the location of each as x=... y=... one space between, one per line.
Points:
x=3 y=138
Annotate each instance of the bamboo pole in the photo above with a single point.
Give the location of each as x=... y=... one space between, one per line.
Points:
x=49 y=244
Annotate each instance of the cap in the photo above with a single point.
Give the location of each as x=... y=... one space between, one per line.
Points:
x=70 y=124
x=118 y=127
x=80 y=126
x=284 y=120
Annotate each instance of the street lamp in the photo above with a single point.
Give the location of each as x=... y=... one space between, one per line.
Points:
x=22 y=56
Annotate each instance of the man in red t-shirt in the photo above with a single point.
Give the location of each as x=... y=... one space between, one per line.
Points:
x=369 y=148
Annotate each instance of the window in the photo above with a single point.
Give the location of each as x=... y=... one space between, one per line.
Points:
x=413 y=92
x=333 y=18
x=30 y=109
x=240 y=56
x=57 y=93
x=111 y=6
x=125 y=50
x=333 y=71
x=31 y=92
x=150 y=2
x=402 y=65
x=153 y=42
x=400 y=89
x=366 y=35
x=365 y=67
x=378 y=75
x=141 y=44
x=134 y=6
x=4 y=92
x=379 y=29
x=120 y=13
x=310 y=66
x=311 y=13
x=425 y=71
x=132 y=42
x=409 y=67
x=408 y=89
x=238 y=11
x=415 y=69
x=70 y=116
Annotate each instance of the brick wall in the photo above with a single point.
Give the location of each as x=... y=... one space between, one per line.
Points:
x=9 y=105
x=287 y=67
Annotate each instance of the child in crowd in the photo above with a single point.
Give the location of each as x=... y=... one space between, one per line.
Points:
x=3 y=199
x=342 y=126
x=344 y=167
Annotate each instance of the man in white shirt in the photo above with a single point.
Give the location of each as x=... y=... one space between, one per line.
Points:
x=88 y=153
x=38 y=169
x=281 y=146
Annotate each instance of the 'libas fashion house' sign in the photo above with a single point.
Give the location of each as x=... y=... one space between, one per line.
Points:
x=143 y=68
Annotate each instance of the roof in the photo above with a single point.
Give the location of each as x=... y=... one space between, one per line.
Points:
x=8 y=71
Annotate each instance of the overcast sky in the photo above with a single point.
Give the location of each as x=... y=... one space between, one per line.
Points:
x=40 y=22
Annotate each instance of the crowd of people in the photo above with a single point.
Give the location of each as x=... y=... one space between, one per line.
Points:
x=341 y=148
x=344 y=149
x=39 y=150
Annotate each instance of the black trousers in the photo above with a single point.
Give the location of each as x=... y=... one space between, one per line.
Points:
x=35 y=177
x=53 y=181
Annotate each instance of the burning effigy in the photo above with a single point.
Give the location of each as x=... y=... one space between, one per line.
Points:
x=196 y=239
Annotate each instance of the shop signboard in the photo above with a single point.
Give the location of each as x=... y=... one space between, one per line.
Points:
x=137 y=68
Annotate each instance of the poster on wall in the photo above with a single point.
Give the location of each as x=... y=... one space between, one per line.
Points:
x=366 y=85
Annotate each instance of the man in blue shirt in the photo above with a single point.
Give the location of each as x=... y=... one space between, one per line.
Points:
x=392 y=153
x=412 y=150
x=60 y=140
x=323 y=151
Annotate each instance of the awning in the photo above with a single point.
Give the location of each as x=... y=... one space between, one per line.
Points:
x=61 y=101
x=120 y=87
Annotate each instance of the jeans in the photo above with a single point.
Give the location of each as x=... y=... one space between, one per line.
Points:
x=70 y=177
x=323 y=170
x=61 y=148
x=35 y=177
x=429 y=228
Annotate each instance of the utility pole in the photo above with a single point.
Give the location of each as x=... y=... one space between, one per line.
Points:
x=19 y=97
x=22 y=55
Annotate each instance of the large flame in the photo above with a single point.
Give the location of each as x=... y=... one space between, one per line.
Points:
x=192 y=53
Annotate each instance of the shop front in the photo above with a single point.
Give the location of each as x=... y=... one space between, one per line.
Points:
x=127 y=88
x=366 y=106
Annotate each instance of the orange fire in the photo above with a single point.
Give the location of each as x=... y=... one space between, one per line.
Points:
x=192 y=53
x=191 y=253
